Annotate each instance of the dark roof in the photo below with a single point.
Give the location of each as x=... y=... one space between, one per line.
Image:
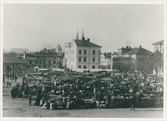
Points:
x=42 y=55
x=159 y=42
x=85 y=43
x=13 y=60
x=138 y=51
x=9 y=55
x=30 y=55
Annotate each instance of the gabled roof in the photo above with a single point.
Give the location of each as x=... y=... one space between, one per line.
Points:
x=138 y=51
x=85 y=43
x=159 y=42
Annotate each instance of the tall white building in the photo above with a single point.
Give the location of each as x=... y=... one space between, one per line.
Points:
x=82 y=54
x=159 y=46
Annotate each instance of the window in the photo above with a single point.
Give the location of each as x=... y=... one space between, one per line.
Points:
x=84 y=66
x=93 y=52
x=93 y=67
x=85 y=52
x=44 y=62
x=99 y=52
x=99 y=59
x=54 y=62
x=79 y=59
x=93 y=60
x=49 y=62
x=39 y=62
x=36 y=62
x=79 y=51
x=79 y=66
x=99 y=66
x=84 y=59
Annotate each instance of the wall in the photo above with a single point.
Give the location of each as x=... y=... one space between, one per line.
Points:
x=15 y=68
x=89 y=57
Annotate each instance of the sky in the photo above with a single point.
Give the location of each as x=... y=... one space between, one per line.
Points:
x=35 y=26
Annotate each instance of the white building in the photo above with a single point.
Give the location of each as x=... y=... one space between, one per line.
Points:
x=82 y=54
x=159 y=46
x=105 y=62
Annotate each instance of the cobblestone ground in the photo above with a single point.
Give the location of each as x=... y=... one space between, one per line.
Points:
x=19 y=107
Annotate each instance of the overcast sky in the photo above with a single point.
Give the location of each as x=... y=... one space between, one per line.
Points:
x=34 y=26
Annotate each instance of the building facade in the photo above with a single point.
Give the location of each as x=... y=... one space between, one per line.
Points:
x=46 y=58
x=82 y=54
x=131 y=59
x=12 y=64
x=159 y=46
x=105 y=62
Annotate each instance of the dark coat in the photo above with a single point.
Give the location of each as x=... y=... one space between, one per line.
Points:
x=14 y=92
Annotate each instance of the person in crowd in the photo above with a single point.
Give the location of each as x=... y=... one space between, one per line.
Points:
x=15 y=77
x=3 y=77
x=30 y=95
x=14 y=92
x=8 y=83
x=37 y=102
x=133 y=98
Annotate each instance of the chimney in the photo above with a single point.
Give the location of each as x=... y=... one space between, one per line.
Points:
x=83 y=38
x=140 y=46
x=88 y=40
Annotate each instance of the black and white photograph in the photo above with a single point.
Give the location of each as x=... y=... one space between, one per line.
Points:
x=83 y=60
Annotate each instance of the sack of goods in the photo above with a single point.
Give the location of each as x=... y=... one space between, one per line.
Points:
x=53 y=105
x=34 y=97
x=41 y=102
x=102 y=106
x=46 y=105
x=68 y=105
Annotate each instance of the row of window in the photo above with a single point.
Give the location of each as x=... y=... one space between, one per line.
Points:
x=85 y=67
x=42 y=62
x=85 y=59
x=142 y=60
x=47 y=66
x=85 y=52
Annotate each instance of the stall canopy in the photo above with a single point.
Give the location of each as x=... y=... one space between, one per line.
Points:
x=57 y=69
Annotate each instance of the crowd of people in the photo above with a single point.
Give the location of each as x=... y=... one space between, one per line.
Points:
x=9 y=77
x=54 y=90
